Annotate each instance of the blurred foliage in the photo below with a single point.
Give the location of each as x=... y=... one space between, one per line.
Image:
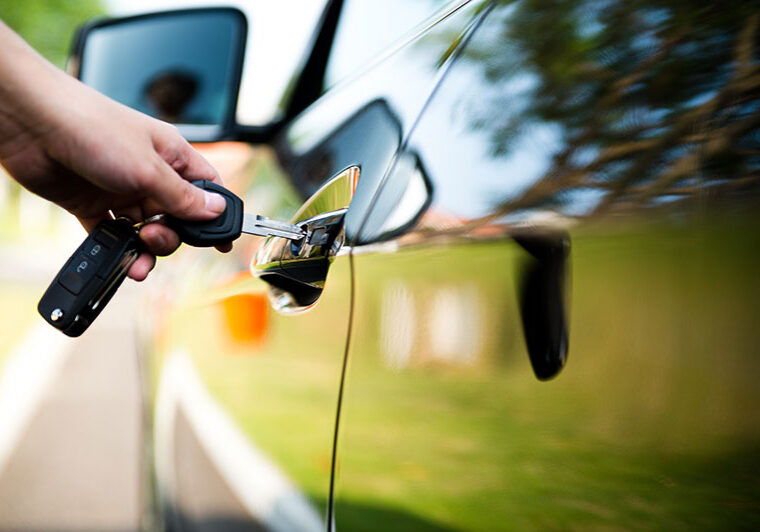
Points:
x=650 y=99
x=48 y=25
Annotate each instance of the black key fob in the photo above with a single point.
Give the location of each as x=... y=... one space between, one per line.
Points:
x=90 y=277
x=221 y=230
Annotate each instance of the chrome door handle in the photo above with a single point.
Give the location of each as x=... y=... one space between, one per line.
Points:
x=298 y=269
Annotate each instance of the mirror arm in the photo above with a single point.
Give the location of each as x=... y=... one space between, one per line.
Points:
x=255 y=134
x=308 y=85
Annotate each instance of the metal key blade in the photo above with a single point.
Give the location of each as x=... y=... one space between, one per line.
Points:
x=255 y=224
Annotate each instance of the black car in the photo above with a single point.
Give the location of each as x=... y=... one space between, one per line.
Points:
x=529 y=294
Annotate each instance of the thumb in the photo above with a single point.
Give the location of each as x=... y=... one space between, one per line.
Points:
x=176 y=196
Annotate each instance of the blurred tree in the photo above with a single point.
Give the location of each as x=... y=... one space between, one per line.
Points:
x=48 y=25
x=653 y=99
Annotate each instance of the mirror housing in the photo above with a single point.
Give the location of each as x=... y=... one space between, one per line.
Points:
x=181 y=66
x=542 y=287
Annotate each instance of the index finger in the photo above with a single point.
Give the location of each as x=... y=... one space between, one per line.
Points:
x=192 y=165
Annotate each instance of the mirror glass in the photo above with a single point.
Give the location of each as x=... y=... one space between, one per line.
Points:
x=403 y=198
x=181 y=67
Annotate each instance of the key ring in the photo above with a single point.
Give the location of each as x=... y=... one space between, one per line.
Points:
x=149 y=220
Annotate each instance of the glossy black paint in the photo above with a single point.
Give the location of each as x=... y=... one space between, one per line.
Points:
x=617 y=139
x=307 y=85
x=371 y=135
x=631 y=130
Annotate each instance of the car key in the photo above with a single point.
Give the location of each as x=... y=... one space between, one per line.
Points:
x=230 y=224
x=91 y=276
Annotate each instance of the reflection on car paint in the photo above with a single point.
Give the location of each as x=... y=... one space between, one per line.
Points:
x=630 y=131
x=280 y=390
x=564 y=123
x=443 y=328
x=398 y=325
x=264 y=498
x=542 y=279
x=454 y=322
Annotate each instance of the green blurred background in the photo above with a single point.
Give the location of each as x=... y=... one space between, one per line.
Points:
x=28 y=222
x=48 y=25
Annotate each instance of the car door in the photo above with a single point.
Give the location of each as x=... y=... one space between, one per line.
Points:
x=246 y=389
x=557 y=327
x=250 y=369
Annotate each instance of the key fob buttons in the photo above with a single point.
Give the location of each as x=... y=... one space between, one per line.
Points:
x=79 y=272
x=94 y=250
x=90 y=277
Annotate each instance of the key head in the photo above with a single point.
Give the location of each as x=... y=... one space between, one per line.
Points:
x=221 y=230
x=90 y=277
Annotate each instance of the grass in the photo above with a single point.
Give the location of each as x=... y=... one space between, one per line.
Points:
x=652 y=424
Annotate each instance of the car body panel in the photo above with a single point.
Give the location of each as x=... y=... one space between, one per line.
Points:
x=546 y=305
x=280 y=386
x=445 y=425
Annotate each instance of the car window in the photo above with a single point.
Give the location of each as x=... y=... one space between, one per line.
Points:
x=538 y=125
x=366 y=28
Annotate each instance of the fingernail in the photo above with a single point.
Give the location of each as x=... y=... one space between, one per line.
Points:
x=214 y=202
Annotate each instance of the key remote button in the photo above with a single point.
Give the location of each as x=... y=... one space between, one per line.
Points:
x=94 y=250
x=71 y=282
x=90 y=277
x=79 y=272
x=105 y=238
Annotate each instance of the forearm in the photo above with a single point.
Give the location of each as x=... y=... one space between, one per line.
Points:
x=31 y=90
x=89 y=154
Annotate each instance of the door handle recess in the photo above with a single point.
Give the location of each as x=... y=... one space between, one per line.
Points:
x=296 y=270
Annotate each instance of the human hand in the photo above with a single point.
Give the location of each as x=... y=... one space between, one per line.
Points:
x=91 y=155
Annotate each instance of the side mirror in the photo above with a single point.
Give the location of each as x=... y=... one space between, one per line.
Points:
x=542 y=292
x=404 y=198
x=182 y=66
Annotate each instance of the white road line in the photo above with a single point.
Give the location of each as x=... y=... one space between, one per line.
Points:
x=27 y=374
x=262 y=488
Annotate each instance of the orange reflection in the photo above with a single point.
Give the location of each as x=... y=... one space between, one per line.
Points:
x=246 y=316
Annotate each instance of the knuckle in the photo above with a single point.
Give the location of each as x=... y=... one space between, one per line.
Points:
x=169 y=148
x=170 y=145
x=188 y=200
x=146 y=173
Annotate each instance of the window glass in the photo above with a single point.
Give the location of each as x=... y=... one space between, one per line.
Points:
x=532 y=121
x=366 y=28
